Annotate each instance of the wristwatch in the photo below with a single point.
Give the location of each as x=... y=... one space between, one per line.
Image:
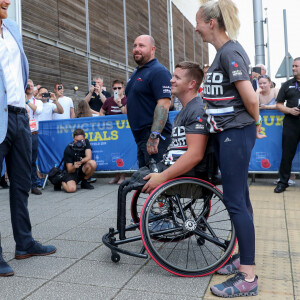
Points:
x=154 y=135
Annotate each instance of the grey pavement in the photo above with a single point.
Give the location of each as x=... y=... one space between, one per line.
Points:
x=82 y=267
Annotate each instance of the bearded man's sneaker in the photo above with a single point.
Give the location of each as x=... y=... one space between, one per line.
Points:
x=236 y=286
x=36 y=250
x=231 y=267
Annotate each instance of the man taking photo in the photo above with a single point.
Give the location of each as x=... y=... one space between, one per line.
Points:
x=79 y=165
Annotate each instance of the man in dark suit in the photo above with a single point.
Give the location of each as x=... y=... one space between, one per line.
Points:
x=15 y=139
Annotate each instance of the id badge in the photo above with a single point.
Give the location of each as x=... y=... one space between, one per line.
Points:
x=32 y=125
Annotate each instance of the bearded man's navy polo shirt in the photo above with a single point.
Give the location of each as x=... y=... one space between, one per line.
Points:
x=145 y=87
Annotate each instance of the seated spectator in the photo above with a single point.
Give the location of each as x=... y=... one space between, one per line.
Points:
x=113 y=106
x=78 y=163
x=49 y=108
x=187 y=151
x=266 y=93
x=65 y=102
x=84 y=110
x=96 y=95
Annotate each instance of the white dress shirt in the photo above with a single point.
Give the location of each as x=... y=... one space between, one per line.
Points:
x=11 y=65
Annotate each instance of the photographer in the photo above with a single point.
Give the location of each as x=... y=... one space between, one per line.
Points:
x=96 y=95
x=79 y=165
x=49 y=108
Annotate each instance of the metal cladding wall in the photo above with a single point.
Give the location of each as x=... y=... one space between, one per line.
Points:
x=55 y=39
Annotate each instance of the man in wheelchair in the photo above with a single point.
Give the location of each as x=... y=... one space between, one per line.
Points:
x=189 y=135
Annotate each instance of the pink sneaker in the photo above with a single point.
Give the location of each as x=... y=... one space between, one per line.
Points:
x=231 y=267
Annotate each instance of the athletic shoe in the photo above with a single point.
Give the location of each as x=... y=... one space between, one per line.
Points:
x=290 y=182
x=231 y=267
x=236 y=286
x=86 y=185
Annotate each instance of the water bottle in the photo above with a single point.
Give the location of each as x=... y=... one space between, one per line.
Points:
x=153 y=166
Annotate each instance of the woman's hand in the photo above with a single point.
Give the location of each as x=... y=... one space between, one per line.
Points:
x=258 y=130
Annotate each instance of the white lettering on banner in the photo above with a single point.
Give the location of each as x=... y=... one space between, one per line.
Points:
x=95 y=126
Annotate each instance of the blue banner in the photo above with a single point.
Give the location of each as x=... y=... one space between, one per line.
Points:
x=114 y=148
x=113 y=145
x=266 y=154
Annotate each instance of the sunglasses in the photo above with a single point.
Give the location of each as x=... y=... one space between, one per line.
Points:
x=117 y=88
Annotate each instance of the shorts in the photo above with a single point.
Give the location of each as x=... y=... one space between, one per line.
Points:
x=77 y=176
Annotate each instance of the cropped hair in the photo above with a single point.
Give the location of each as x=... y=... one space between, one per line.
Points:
x=226 y=14
x=193 y=71
x=98 y=76
x=297 y=58
x=78 y=131
x=117 y=81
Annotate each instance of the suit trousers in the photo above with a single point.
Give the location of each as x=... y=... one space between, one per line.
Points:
x=16 y=149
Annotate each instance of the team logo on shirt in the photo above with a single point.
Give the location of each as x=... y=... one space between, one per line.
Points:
x=234 y=64
x=166 y=89
x=199 y=119
x=139 y=79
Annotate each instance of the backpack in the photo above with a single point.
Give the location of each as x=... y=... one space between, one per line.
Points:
x=55 y=175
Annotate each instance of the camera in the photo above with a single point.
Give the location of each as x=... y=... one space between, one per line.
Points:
x=46 y=95
x=116 y=94
x=27 y=86
x=257 y=70
x=59 y=87
x=79 y=148
x=94 y=83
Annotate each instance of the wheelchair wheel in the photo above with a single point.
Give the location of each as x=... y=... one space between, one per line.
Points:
x=191 y=234
x=137 y=202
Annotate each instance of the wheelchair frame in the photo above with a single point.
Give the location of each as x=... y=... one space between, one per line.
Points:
x=181 y=213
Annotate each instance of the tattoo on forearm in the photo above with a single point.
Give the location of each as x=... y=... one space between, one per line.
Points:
x=160 y=118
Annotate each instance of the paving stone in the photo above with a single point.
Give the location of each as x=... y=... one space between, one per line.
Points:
x=15 y=287
x=68 y=291
x=98 y=273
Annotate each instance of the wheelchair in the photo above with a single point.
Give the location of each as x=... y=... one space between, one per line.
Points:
x=183 y=224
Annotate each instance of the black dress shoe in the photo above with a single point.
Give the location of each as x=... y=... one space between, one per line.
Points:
x=3 y=182
x=279 y=188
x=57 y=187
x=36 y=191
x=86 y=185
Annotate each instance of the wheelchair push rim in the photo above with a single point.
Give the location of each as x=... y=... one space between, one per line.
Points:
x=194 y=235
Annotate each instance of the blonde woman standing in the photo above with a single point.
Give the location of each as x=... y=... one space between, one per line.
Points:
x=234 y=122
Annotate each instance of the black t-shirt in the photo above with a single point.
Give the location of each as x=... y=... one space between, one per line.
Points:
x=71 y=156
x=289 y=92
x=95 y=102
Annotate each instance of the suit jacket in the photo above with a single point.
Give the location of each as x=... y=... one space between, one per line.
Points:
x=15 y=32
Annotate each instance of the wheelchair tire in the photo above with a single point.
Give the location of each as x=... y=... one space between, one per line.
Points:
x=194 y=235
x=137 y=202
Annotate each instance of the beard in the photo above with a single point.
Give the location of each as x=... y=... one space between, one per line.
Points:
x=140 y=61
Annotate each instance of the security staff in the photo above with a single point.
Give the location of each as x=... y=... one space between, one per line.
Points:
x=289 y=92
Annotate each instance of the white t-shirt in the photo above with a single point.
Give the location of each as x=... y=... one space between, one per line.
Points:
x=67 y=104
x=47 y=112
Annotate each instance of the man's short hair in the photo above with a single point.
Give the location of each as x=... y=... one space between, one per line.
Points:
x=29 y=80
x=42 y=87
x=297 y=58
x=98 y=76
x=193 y=71
x=56 y=84
x=78 y=131
x=117 y=81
